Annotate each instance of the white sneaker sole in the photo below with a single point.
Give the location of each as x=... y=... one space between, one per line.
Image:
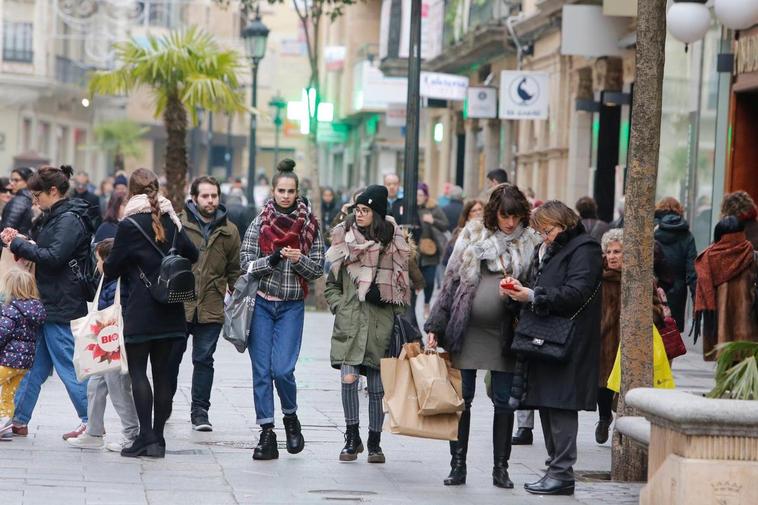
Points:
x=83 y=446
x=202 y=427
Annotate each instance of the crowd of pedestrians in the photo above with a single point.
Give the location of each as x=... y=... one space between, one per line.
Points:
x=484 y=266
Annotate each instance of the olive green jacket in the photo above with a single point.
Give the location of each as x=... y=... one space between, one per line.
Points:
x=362 y=330
x=216 y=270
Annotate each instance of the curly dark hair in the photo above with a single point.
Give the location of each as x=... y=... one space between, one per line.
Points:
x=506 y=200
x=739 y=204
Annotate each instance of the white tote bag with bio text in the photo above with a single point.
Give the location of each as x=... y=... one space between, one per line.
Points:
x=99 y=338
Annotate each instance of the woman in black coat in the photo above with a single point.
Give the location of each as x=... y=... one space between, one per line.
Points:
x=62 y=234
x=151 y=329
x=564 y=281
x=17 y=214
x=679 y=251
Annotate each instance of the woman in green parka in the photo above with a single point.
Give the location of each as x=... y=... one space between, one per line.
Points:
x=367 y=285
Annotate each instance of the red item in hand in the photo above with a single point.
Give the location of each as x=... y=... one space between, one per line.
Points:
x=509 y=286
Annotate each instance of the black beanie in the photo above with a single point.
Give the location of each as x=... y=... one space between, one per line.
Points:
x=375 y=198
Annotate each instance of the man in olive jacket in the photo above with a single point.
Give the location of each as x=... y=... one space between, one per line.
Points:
x=205 y=222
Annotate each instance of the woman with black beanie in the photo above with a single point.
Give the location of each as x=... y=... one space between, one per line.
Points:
x=367 y=286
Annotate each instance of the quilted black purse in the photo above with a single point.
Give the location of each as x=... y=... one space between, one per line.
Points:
x=546 y=338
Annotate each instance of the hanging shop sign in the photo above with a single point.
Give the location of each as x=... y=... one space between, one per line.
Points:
x=443 y=86
x=481 y=103
x=395 y=115
x=524 y=95
x=334 y=58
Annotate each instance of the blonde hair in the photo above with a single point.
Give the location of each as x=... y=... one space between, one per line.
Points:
x=554 y=213
x=18 y=284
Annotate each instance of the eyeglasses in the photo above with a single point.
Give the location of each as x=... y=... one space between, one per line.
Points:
x=362 y=211
x=36 y=194
x=546 y=233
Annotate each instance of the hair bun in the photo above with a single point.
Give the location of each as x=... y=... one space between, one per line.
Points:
x=67 y=170
x=286 y=165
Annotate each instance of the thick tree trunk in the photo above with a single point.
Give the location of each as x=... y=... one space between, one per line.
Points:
x=175 y=119
x=637 y=275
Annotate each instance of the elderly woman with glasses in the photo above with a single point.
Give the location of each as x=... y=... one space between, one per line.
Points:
x=564 y=280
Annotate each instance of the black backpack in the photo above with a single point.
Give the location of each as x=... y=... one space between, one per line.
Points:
x=176 y=282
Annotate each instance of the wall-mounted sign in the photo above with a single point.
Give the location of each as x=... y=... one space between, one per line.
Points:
x=524 y=95
x=481 y=103
x=395 y=115
x=334 y=58
x=443 y=86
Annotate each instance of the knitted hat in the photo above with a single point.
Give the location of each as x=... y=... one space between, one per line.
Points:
x=424 y=187
x=120 y=179
x=375 y=198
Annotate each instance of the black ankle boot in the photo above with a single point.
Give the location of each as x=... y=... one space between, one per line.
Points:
x=295 y=440
x=143 y=446
x=266 y=448
x=353 y=444
x=502 y=427
x=458 y=452
x=375 y=454
x=523 y=436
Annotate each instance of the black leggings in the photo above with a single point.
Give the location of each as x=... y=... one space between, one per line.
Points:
x=605 y=403
x=153 y=410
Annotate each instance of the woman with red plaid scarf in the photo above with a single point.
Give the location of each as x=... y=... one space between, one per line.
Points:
x=283 y=251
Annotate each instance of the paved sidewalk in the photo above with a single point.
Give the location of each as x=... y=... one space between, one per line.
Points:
x=217 y=468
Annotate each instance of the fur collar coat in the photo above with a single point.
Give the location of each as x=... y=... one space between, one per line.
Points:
x=476 y=248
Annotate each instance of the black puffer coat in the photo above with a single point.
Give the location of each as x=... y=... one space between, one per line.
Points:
x=17 y=214
x=679 y=251
x=143 y=316
x=61 y=234
x=570 y=271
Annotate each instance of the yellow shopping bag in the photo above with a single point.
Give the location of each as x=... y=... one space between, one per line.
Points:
x=662 y=376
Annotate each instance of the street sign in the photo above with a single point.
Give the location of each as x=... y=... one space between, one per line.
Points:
x=443 y=86
x=524 y=95
x=395 y=115
x=481 y=103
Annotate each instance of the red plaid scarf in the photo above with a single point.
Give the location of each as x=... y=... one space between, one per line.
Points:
x=296 y=230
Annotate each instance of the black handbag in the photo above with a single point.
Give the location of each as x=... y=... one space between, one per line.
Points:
x=403 y=332
x=176 y=282
x=546 y=338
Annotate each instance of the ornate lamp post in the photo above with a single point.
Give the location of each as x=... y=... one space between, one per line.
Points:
x=255 y=35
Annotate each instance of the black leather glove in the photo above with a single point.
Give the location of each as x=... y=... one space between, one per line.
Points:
x=373 y=296
x=275 y=257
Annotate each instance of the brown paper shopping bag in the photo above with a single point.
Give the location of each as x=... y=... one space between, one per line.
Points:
x=434 y=388
x=401 y=405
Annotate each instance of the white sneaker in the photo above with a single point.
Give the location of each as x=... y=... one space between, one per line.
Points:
x=86 y=441
x=6 y=425
x=117 y=446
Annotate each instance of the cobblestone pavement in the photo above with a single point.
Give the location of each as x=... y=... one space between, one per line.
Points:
x=217 y=468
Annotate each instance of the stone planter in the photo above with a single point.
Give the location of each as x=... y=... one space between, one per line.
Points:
x=701 y=451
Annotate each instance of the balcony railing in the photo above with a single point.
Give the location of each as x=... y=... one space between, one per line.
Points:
x=480 y=13
x=12 y=54
x=69 y=72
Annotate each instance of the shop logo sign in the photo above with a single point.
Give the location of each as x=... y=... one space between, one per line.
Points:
x=524 y=95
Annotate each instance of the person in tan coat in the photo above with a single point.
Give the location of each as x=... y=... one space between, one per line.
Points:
x=725 y=297
x=610 y=328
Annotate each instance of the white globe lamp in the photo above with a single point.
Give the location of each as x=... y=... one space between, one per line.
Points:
x=736 y=14
x=688 y=20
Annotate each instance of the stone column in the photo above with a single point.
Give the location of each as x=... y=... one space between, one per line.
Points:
x=491 y=145
x=471 y=184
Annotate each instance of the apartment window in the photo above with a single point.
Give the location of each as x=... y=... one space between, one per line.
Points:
x=17 y=42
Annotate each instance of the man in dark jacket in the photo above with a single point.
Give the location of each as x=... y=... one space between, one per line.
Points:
x=453 y=209
x=82 y=192
x=216 y=271
x=239 y=213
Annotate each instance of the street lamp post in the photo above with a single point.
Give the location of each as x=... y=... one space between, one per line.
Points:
x=254 y=35
x=279 y=103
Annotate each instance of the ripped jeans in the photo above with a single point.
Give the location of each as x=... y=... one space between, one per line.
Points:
x=350 y=405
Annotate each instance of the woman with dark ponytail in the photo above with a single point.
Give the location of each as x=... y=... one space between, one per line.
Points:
x=151 y=329
x=61 y=235
x=283 y=251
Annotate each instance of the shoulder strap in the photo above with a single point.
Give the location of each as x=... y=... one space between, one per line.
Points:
x=584 y=305
x=147 y=237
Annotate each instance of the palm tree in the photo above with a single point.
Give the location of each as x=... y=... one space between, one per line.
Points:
x=121 y=139
x=186 y=70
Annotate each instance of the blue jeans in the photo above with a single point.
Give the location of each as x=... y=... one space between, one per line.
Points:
x=501 y=389
x=276 y=335
x=204 y=340
x=55 y=349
